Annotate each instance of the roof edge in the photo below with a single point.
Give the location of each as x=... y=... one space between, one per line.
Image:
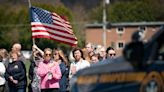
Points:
x=129 y=24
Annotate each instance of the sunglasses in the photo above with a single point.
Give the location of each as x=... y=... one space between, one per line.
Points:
x=112 y=54
x=47 y=54
x=55 y=53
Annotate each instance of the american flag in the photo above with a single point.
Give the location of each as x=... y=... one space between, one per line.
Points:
x=51 y=26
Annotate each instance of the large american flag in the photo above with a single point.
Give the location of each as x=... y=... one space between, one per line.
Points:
x=51 y=26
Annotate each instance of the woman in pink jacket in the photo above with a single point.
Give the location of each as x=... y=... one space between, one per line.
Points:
x=50 y=73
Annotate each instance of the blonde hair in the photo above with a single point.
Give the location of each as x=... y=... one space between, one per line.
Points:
x=47 y=49
x=4 y=53
x=61 y=55
x=12 y=52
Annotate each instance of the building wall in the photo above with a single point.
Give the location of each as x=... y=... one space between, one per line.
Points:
x=95 y=36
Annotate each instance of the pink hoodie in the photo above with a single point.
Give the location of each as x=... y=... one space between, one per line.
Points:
x=43 y=70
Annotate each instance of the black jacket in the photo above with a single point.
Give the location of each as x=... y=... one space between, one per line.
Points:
x=17 y=70
x=31 y=70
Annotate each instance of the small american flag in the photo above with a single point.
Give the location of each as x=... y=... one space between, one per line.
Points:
x=51 y=26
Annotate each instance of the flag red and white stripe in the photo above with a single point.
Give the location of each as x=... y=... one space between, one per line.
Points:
x=52 y=26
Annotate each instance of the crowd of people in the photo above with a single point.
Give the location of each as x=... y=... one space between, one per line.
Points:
x=50 y=70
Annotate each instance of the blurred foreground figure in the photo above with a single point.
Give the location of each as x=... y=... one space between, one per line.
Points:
x=140 y=69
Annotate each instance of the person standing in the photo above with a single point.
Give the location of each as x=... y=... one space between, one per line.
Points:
x=5 y=56
x=17 y=48
x=102 y=54
x=63 y=62
x=94 y=59
x=2 y=73
x=79 y=62
x=88 y=51
x=111 y=53
x=37 y=56
x=16 y=74
x=5 y=60
x=49 y=72
x=89 y=47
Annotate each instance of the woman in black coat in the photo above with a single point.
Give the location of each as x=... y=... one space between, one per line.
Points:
x=16 y=74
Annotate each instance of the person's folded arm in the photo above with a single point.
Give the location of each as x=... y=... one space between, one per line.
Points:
x=42 y=71
x=56 y=72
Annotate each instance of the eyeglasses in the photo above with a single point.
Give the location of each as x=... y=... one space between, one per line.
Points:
x=47 y=54
x=113 y=54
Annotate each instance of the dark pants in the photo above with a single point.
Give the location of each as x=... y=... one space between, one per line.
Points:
x=15 y=89
x=6 y=87
x=2 y=88
x=50 y=90
x=29 y=88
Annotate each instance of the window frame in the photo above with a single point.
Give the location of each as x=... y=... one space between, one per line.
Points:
x=120 y=42
x=120 y=32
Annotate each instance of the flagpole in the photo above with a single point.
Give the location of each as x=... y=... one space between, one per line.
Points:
x=33 y=40
x=105 y=2
x=29 y=3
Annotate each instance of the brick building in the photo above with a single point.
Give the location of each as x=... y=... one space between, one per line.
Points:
x=118 y=34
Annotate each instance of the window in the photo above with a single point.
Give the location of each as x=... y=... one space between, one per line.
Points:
x=120 y=45
x=120 y=30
